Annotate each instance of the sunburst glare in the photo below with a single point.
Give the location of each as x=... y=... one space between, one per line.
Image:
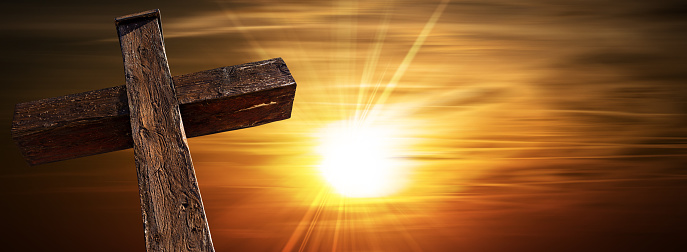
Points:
x=359 y=161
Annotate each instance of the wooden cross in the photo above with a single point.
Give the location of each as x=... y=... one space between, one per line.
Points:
x=146 y=114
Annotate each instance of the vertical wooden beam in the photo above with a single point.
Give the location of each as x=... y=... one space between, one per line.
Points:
x=173 y=214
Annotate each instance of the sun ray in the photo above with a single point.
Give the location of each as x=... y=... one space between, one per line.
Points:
x=314 y=221
x=341 y=208
x=372 y=59
x=305 y=223
x=344 y=59
x=370 y=101
x=407 y=60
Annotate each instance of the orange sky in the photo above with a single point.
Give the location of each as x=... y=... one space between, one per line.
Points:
x=520 y=126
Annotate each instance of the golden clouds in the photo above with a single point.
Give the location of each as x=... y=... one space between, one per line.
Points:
x=531 y=125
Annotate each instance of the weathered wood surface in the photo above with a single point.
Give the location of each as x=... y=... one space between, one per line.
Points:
x=95 y=122
x=173 y=213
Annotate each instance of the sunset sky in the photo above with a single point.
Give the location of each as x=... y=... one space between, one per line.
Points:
x=499 y=125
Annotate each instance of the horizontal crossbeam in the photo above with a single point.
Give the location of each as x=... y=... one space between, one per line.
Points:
x=211 y=101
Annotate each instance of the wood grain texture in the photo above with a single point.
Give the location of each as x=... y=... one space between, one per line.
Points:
x=97 y=121
x=173 y=213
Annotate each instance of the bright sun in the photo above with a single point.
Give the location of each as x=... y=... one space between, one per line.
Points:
x=357 y=161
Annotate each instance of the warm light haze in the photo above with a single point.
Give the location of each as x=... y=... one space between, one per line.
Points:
x=434 y=125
